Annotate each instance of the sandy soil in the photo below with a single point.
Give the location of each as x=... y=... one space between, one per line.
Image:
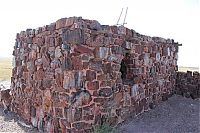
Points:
x=185 y=69
x=177 y=115
x=5 y=83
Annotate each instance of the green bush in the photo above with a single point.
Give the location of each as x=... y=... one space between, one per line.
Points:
x=104 y=128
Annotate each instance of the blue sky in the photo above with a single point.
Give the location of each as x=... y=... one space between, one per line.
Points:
x=177 y=19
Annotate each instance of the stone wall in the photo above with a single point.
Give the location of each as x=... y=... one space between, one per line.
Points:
x=188 y=84
x=68 y=75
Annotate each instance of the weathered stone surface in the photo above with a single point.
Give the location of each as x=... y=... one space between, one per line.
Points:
x=69 y=76
x=90 y=75
x=80 y=98
x=60 y=23
x=134 y=90
x=69 y=21
x=51 y=51
x=93 y=85
x=107 y=68
x=58 y=52
x=75 y=36
x=146 y=59
x=47 y=83
x=117 y=49
x=82 y=49
x=81 y=125
x=101 y=52
x=66 y=64
x=118 y=98
x=76 y=63
x=157 y=56
x=188 y=84
x=95 y=25
x=78 y=77
x=58 y=112
x=59 y=79
x=69 y=80
x=78 y=114
x=55 y=63
x=40 y=74
x=105 y=92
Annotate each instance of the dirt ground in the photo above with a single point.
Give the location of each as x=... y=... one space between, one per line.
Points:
x=177 y=115
x=11 y=123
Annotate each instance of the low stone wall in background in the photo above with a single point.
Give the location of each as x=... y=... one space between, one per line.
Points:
x=188 y=84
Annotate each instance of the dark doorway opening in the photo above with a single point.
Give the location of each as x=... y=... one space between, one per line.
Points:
x=125 y=69
x=124 y=66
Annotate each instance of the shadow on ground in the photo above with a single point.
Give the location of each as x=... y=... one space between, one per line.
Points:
x=177 y=115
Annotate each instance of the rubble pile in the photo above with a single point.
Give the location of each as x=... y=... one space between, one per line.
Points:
x=76 y=73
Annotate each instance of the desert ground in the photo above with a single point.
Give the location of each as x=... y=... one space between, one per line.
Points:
x=5 y=69
x=177 y=115
x=185 y=69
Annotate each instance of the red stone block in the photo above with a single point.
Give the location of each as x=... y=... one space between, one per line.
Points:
x=101 y=52
x=88 y=117
x=77 y=114
x=69 y=21
x=138 y=49
x=105 y=92
x=93 y=85
x=105 y=83
x=118 y=98
x=81 y=125
x=90 y=75
x=82 y=49
x=40 y=41
x=47 y=83
x=59 y=79
x=85 y=65
x=58 y=112
x=107 y=68
x=40 y=74
x=75 y=36
x=60 y=23
x=77 y=63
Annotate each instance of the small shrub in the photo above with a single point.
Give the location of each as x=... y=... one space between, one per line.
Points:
x=104 y=128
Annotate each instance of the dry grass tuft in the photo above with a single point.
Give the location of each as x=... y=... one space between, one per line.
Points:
x=5 y=68
x=185 y=69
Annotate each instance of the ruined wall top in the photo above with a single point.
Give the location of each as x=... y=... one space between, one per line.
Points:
x=94 y=26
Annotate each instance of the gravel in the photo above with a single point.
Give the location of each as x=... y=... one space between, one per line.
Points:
x=5 y=83
x=177 y=115
x=11 y=123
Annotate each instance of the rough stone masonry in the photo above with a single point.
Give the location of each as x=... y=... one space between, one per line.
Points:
x=188 y=84
x=76 y=73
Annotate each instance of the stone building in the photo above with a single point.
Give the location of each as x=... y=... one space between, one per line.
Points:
x=76 y=73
